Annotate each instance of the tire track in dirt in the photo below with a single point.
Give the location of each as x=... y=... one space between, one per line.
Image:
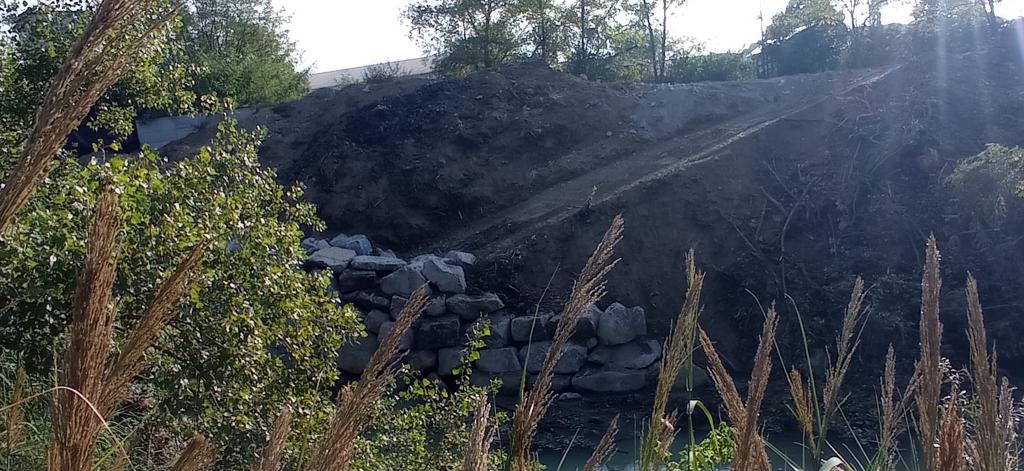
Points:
x=492 y=235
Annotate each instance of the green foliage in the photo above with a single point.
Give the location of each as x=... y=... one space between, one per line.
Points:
x=214 y=370
x=985 y=182
x=244 y=50
x=714 y=451
x=467 y=35
x=802 y=14
x=711 y=67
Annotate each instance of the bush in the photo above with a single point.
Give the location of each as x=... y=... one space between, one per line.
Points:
x=718 y=67
x=383 y=72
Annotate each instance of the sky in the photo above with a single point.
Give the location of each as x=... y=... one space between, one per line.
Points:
x=337 y=34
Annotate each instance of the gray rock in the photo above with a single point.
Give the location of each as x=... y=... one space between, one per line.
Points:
x=335 y=258
x=448 y=359
x=509 y=381
x=573 y=357
x=377 y=263
x=403 y=281
x=322 y=244
x=436 y=306
x=397 y=303
x=635 y=355
x=701 y=379
x=521 y=328
x=370 y=300
x=569 y=396
x=501 y=330
x=375 y=319
x=472 y=307
x=499 y=360
x=405 y=343
x=447 y=278
x=354 y=280
x=609 y=381
x=357 y=243
x=309 y=244
x=353 y=357
x=462 y=259
x=559 y=383
x=591 y=343
x=619 y=324
x=586 y=328
x=437 y=332
x=422 y=360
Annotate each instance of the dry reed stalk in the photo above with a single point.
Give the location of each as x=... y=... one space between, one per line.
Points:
x=995 y=430
x=334 y=452
x=75 y=421
x=199 y=455
x=750 y=454
x=273 y=452
x=481 y=434
x=16 y=413
x=604 y=448
x=97 y=60
x=929 y=367
x=678 y=350
x=803 y=409
x=129 y=362
x=892 y=412
x=588 y=290
x=951 y=450
x=846 y=345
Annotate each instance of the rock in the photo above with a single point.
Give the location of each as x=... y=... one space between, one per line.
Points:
x=370 y=300
x=384 y=253
x=375 y=319
x=572 y=360
x=462 y=259
x=397 y=303
x=436 y=306
x=501 y=330
x=354 y=280
x=437 y=332
x=521 y=328
x=377 y=263
x=619 y=324
x=559 y=383
x=509 y=381
x=448 y=359
x=472 y=307
x=586 y=328
x=309 y=244
x=353 y=357
x=357 y=243
x=422 y=360
x=635 y=355
x=591 y=343
x=447 y=278
x=322 y=244
x=405 y=343
x=569 y=396
x=499 y=360
x=609 y=381
x=335 y=258
x=701 y=379
x=403 y=281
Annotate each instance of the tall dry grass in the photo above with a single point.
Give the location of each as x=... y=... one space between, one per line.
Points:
x=750 y=454
x=677 y=352
x=481 y=435
x=605 y=447
x=353 y=413
x=273 y=452
x=14 y=425
x=98 y=59
x=589 y=289
x=893 y=409
x=198 y=455
x=930 y=368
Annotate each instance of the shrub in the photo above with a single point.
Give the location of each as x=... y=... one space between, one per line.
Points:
x=383 y=72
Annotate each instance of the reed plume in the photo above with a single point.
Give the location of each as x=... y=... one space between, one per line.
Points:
x=929 y=367
x=336 y=449
x=995 y=430
x=15 y=426
x=273 y=452
x=750 y=453
x=76 y=421
x=892 y=412
x=481 y=434
x=199 y=455
x=678 y=351
x=588 y=290
x=97 y=60
x=951 y=451
x=604 y=448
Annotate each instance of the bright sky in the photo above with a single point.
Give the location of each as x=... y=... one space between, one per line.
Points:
x=336 y=34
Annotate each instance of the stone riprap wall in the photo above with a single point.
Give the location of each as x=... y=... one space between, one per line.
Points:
x=609 y=353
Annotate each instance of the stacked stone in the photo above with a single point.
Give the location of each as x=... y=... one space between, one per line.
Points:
x=608 y=354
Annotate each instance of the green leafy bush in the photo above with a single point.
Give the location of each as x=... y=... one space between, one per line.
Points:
x=985 y=182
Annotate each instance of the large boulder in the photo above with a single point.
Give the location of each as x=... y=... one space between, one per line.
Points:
x=375 y=319
x=701 y=379
x=619 y=324
x=609 y=381
x=498 y=360
x=448 y=359
x=377 y=263
x=354 y=280
x=447 y=278
x=509 y=381
x=586 y=327
x=436 y=306
x=541 y=327
x=559 y=383
x=635 y=355
x=405 y=343
x=370 y=300
x=573 y=357
x=437 y=332
x=353 y=357
x=403 y=281
x=422 y=360
x=462 y=259
x=357 y=243
x=500 y=330
x=472 y=307
x=337 y=259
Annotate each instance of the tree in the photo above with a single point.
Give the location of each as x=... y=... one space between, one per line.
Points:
x=801 y=14
x=545 y=33
x=244 y=51
x=467 y=35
